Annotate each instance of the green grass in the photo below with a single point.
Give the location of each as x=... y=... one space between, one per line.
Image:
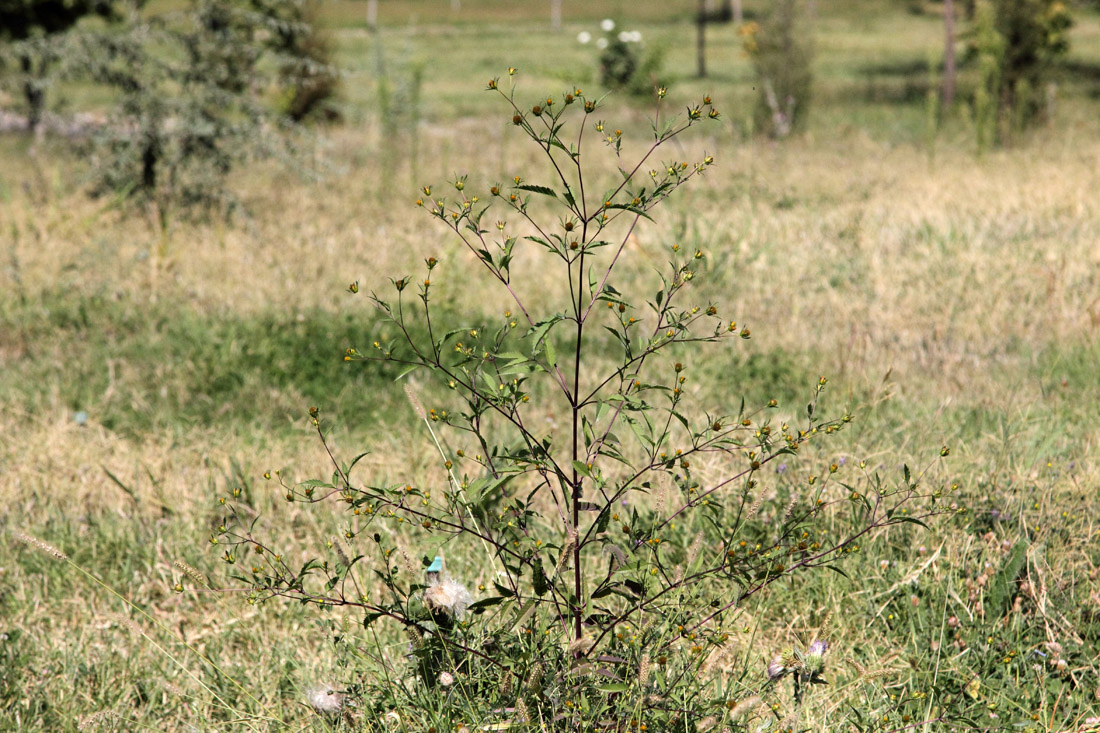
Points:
x=166 y=366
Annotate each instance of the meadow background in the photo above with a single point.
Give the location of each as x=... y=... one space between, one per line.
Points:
x=951 y=298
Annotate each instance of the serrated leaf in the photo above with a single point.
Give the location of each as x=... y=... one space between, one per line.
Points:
x=539 y=240
x=602 y=520
x=490 y=385
x=603 y=591
x=406 y=372
x=551 y=353
x=912 y=520
x=618 y=336
x=683 y=420
x=641 y=433
x=539 y=583
x=524 y=612
x=539 y=189
x=632 y=209
x=355 y=460
x=540 y=330
x=480 y=606
x=835 y=569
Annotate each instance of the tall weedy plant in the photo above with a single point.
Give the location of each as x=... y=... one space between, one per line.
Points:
x=596 y=574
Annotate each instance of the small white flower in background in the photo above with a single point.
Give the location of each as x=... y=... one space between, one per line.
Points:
x=601 y=43
x=324 y=699
x=626 y=36
x=884 y=564
x=635 y=37
x=448 y=595
x=446 y=679
x=584 y=37
x=607 y=25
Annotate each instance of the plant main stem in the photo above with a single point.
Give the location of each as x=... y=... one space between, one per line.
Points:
x=575 y=406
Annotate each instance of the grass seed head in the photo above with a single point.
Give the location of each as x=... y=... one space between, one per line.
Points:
x=42 y=546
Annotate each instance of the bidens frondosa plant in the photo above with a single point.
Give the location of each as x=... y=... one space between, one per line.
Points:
x=595 y=574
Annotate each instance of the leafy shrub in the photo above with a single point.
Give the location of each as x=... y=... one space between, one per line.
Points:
x=26 y=28
x=305 y=52
x=187 y=112
x=618 y=63
x=622 y=63
x=1016 y=43
x=597 y=574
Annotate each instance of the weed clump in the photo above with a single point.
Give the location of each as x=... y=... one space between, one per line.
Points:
x=604 y=534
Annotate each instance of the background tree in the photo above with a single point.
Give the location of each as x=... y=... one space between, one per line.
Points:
x=781 y=49
x=307 y=75
x=1024 y=38
x=1035 y=33
x=706 y=14
x=188 y=106
x=25 y=25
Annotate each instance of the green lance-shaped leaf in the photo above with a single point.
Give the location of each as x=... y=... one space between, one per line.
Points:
x=1003 y=585
x=538 y=580
x=539 y=189
x=540 y=330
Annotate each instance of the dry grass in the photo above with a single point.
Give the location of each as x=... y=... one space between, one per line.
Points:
x=925 y=291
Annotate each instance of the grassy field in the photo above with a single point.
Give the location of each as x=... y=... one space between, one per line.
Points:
x=951 y=299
